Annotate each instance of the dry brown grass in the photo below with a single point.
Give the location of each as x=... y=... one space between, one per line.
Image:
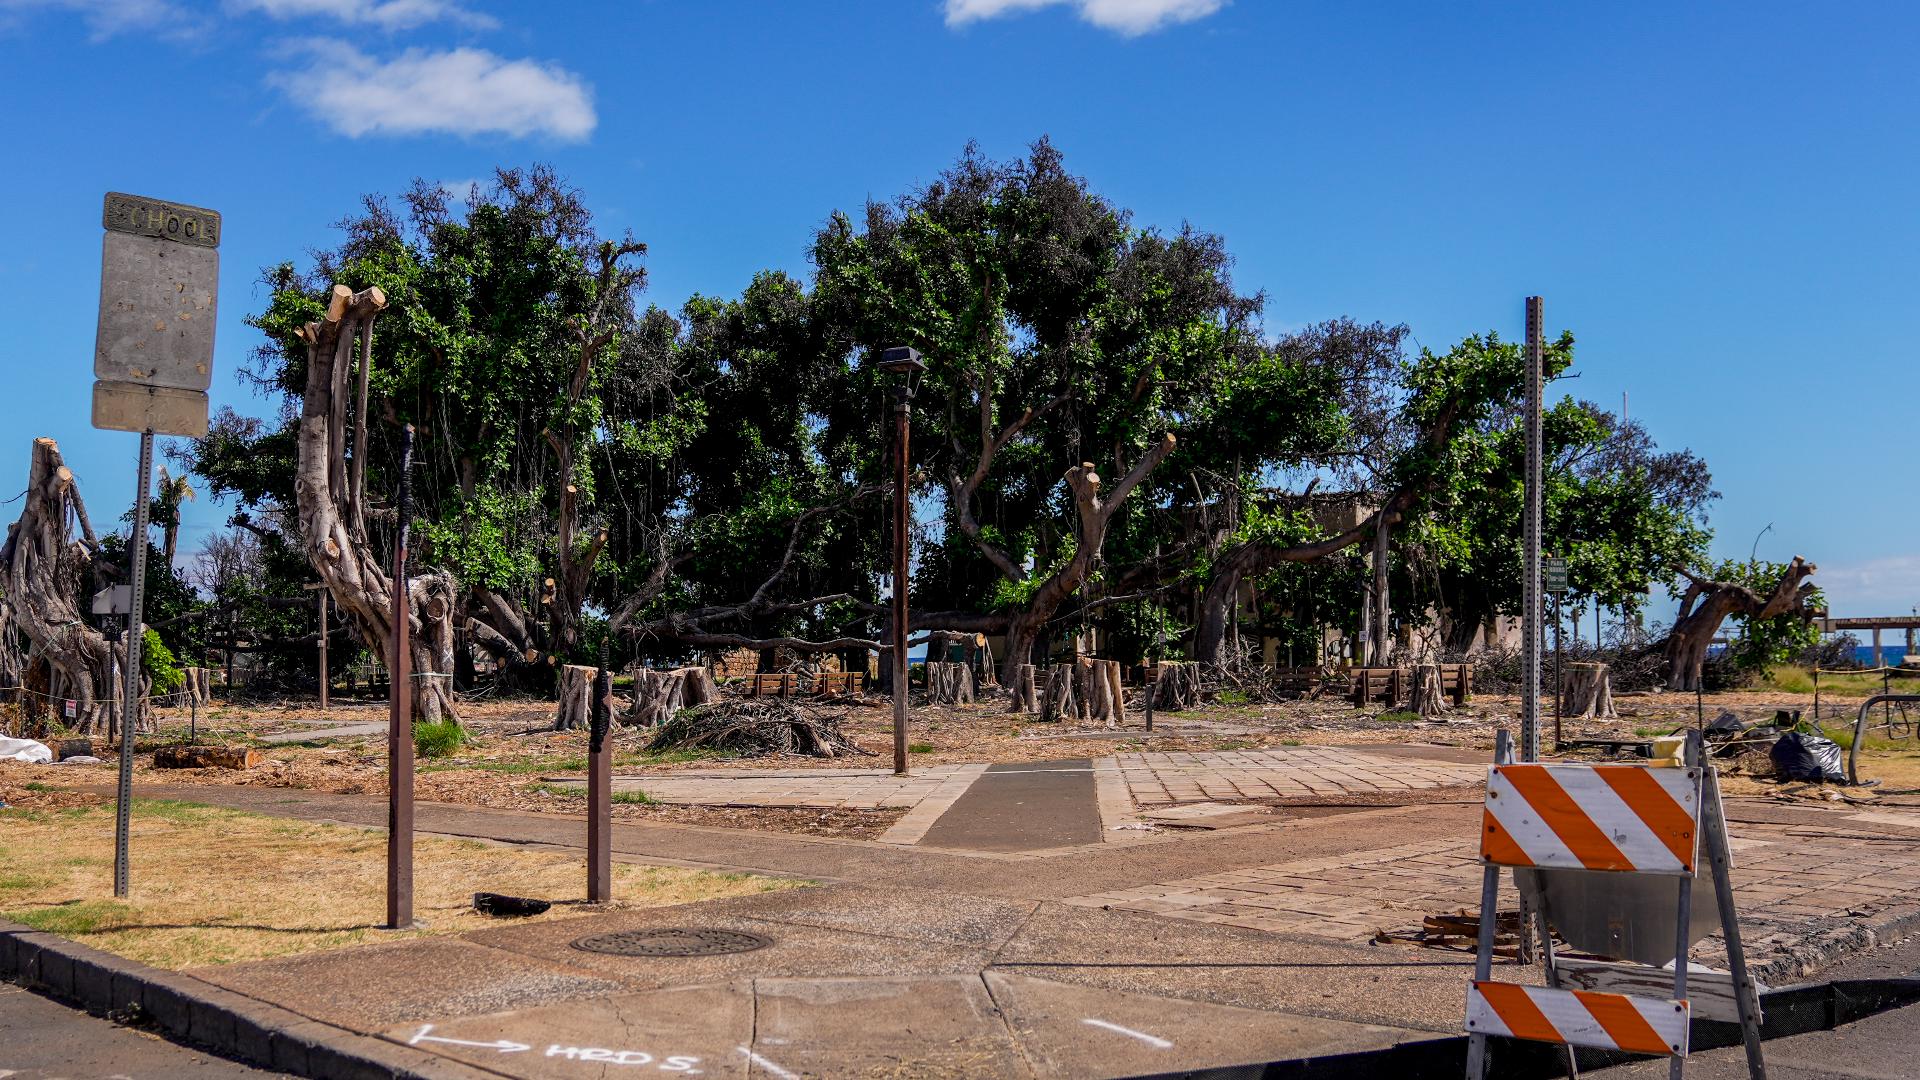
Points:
x=214 y=886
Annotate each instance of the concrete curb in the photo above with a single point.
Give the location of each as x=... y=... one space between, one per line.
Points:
x=190 y=1010
x=1824 y=948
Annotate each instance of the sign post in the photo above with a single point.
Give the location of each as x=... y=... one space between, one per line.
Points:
x=1530 y=540
x=152 y=364
x=1556 y=575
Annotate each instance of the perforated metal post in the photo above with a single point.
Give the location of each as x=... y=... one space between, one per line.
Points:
x=1530 y=527
x=130 y=698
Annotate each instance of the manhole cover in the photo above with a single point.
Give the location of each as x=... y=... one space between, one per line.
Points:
x=673 y=941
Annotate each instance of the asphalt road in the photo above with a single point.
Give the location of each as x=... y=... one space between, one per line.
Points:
x=42 y=1039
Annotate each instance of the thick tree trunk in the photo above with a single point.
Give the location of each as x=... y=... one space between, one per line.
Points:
x=1379 y=648
x=575 y=693
x=47 y=570
x=1429 y=700
x=1095 y=515
x=1588 y=693
x=1176 y=688
x=658 y=695
x=949 y=683
x=1707 y=604
x=1022 y=695
x=333 y=527
x=1058 y=702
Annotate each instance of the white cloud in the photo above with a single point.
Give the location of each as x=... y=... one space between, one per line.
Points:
x=1129 y=17
x=1884 y=586
x=386 y=14
x=455 y=91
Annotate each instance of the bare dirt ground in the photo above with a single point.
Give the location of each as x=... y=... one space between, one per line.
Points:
x=513 y=747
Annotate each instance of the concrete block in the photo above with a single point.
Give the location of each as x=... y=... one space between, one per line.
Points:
x=26 y=965
x=8 y=952
x=166 y=1000
x=210 y=1018
x=93 y=982
x=128 y=985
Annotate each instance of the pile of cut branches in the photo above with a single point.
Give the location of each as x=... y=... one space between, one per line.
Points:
x=756 y=727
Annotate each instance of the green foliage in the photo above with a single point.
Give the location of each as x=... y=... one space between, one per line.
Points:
x=1762 y=643
x=438 y=740
x=159 y=664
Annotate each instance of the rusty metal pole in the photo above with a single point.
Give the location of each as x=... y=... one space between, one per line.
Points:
x=902 y=412
x=600 y=788
x=400 y=719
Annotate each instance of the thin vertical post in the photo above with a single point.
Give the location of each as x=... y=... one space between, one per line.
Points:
x=130 y=676
x=1558 y=720
x=1746 y=1001
x=902 y=412
x=323 y=594
x=1530 y=526
x=400 y=718
x=600 y=788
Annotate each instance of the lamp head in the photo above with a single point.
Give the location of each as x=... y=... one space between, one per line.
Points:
x=901 y=360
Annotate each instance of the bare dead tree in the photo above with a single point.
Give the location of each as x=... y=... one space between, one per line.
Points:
x=48 y=569
x=1707 y=603
x=330 y=490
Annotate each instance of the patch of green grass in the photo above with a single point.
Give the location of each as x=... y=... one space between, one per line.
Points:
x=920 y=748
x=438 y=740
x=35 y=785
x=564 y=791
x=1794 y=679
x=1232 y=697
x=670 y=757
x=1399 y=716
x=635 y=797
x=1290 y=742
x=78 y=917
x=16 y=882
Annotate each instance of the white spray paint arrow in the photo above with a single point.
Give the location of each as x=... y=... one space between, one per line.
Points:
x=504 y=1046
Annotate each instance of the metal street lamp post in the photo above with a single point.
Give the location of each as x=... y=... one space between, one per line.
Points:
x=900 y=361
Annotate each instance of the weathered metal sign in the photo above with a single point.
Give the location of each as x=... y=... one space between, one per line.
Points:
x=159 y=284
x=1555 y=571
x=195 y=225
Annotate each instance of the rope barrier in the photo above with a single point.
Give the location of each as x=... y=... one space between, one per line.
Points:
x=1914 y=671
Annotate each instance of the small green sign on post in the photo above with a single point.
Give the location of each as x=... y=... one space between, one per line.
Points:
x=1554 y=569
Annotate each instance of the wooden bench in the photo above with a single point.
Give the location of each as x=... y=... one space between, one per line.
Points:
x=837 y=682
x=772 y=684
x=1382 y=684
x=1391 y=686
x=1305 y=681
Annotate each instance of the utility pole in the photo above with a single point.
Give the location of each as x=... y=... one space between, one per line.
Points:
x=905 y=361
x=1530 y=526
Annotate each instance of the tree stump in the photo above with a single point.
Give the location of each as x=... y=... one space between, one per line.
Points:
x=1588 y=693
x=949 y=683
x=1058 y=700
x=575 y=691
x=658 y=695
x=1177 y=688
x=981 y=656
x=1429 y=698
x=206 y=757
x=696 y=686
x=1097 y=685
x=1022 y=695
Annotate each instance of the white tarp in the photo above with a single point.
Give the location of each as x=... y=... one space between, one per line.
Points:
x=24 y=750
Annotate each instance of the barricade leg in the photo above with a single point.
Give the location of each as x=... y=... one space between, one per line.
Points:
x=1745 y=999
x=1483 y=961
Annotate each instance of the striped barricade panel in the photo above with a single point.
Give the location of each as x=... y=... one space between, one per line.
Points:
x=1579 y=1018
x=1629 y=818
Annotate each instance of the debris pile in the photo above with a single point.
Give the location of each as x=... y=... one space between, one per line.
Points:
x=756 y=727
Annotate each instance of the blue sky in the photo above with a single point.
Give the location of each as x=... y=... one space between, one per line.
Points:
x=1716 y=198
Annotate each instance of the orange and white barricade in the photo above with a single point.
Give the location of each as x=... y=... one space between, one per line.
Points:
x=1554 y=823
